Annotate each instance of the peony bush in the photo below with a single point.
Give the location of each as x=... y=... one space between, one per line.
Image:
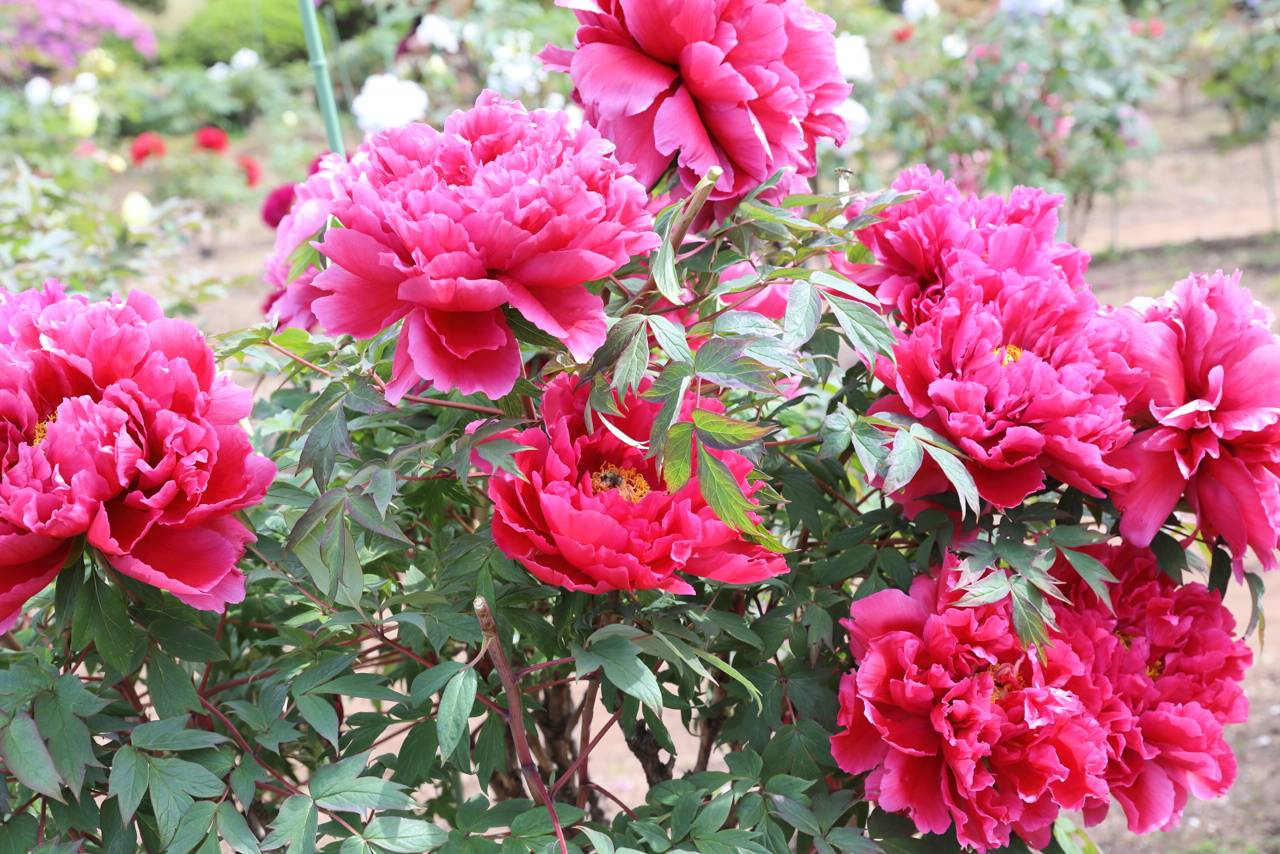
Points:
x=615 y=487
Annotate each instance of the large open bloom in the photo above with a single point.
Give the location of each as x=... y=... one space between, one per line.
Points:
x=956 y=721
x=443 y=230
x=748 y=86
x=1208 y=416
x=590 y=512
x=1162 y=674
x=118 y=432
x=1023 y=381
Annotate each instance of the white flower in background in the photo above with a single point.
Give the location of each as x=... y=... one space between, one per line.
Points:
x=437 y=66
x=244 y=59
x=853 y=58
x=61 y=95
x=289 y=119
x=955 y=46
x=86 y=81
x=218 y=72
x=556 y=101
x=1032 y=7
x=386 y=101
x=116 y=163
x=514 y=70
x=576 y=116
x=99 y=60
x=855 y=115
x=37 y=91
x=438 y=32
x=82 y=115
x=136 y=211
x=916 y=11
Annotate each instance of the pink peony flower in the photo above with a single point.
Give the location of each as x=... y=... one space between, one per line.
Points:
x=1162 y=674
x=211 y=139
x=590 y=512
x=747 y=86
x=940 y=235
x=1023 y=381
x=956 y=721
x=1208 y=416
x=118 y=430
x=443 y=230
x=275 y=207
x=289 y=303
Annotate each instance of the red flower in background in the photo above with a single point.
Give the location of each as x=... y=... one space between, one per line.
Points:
x=211 y=139
x=116 y=428
x=252 y=170
x=277 y=203
x=590 y=512
x=146 y=144
x=904 y=34
x=748 y=87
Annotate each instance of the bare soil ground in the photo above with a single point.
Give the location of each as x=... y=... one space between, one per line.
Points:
x=1194 y=208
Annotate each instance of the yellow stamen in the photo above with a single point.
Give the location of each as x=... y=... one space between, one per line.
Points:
x=42 y=429
x=1008 y=353
x=1156 y=669
x=630 y=484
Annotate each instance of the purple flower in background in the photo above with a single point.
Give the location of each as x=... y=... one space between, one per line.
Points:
x=56 y=33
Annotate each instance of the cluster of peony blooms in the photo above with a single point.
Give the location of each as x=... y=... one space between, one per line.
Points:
x=118 y=433
x=1004 y=351
x=962 y=726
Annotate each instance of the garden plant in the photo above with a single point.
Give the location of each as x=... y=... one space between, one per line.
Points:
x=851 y=517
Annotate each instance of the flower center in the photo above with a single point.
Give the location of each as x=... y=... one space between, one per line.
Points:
x=42 y=430
x=1156 y=669
x=1008 y=353
x=630 y=484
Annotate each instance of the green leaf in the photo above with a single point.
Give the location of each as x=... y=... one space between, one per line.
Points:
x=724 y=433
x=128 y=780
x=185 y=639
x=1094 y=573
x=68 y=739
x=620 y=660
x=171 y=688
x=958 y=474
x=804 y=310
x=722 y=493
x=677 y=456
x=428 y=682
x=113 y=632
x=27 y=758
x=1257 y=618
x=664 y=269
x=234 y=830
x=1170 y=555
x=340 y=787
x=632 y=364
x=904 y=460
x=1219 y=570
x=866 y=330
x=404 y=835
x=671 y=338
x=990 y=588
x=172 y=786
x=318 y=712
x=294 y=828
x=455 y=710
x=194 y=828
x=172 y=734
x=870 y=443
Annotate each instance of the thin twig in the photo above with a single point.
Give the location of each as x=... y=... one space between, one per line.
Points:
x=515 y=715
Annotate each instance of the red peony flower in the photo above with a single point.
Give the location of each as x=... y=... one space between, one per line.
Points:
x=146 y=144
x=746 y=86
x=590 y=512
x=1208 y=416
x=251 y=168
x=1162 y=674
x=442 y=230
x=957 y=722
x=116 y=431
x=904 y=33
x=211 y=139
x=275 y=206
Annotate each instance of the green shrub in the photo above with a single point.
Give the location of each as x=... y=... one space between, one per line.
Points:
x=271 y=27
